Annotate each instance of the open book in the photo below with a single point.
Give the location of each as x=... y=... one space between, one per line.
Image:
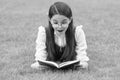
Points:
x=59 y=65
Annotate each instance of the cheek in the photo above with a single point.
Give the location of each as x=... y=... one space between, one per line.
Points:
x=54 y=27
x=66 y=27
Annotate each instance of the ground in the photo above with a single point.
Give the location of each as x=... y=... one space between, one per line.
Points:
x=19 y=22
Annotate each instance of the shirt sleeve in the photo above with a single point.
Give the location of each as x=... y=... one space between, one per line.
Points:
x=41 y=53
x=81 y=45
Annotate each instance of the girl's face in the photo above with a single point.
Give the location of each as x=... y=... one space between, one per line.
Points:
x=60 y=23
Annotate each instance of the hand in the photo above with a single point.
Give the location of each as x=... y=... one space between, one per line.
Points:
x=36 y=65
x=84 y=64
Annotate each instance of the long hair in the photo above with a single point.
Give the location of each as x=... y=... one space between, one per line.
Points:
x=69 y=52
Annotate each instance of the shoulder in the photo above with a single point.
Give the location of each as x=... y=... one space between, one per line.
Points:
x=41 y=29
x=78 y=29
x=41 y=36
x=79 y=33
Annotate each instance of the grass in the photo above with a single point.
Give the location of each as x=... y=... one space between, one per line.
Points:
x=19 y=22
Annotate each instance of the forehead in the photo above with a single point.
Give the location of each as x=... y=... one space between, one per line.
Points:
x=59 y=17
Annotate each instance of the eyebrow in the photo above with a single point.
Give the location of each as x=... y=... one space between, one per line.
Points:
x=57 y=20
x=64 y=20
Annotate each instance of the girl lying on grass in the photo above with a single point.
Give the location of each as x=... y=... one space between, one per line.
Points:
x=61 y=40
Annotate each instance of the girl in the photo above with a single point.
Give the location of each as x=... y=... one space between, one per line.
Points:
x=61 y=40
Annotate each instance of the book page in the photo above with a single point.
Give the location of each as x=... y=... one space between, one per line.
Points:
x=49 y=63
x=68 y=63
x=58 y=65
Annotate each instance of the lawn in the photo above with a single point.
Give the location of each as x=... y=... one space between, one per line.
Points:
x=19 y=22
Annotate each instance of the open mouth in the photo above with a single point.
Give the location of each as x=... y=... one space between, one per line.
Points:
x=60 y=30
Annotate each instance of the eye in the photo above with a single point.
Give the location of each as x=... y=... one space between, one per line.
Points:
x=55 y=22
x=64 y=22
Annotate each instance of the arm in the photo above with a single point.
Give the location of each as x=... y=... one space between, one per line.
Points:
x=41 y=53
x=81 y=46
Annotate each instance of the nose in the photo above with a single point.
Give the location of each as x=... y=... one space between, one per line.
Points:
x=59 y=25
